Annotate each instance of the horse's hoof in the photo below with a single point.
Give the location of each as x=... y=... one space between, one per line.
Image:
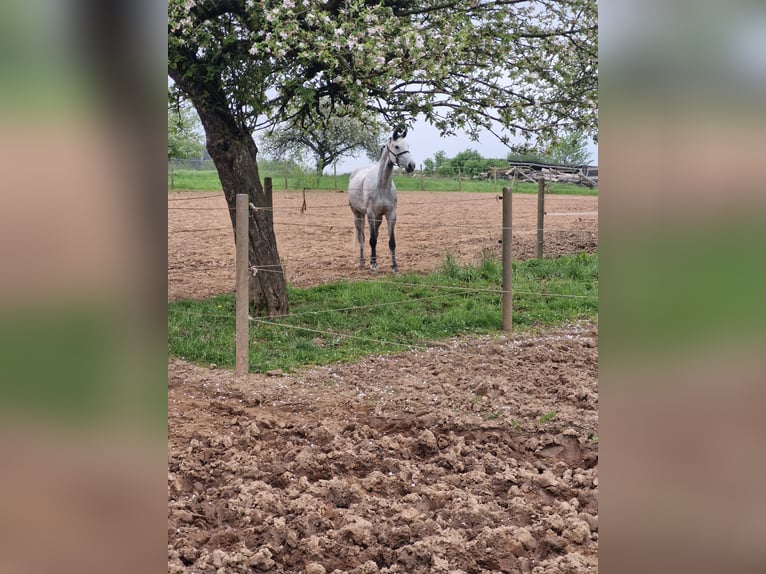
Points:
x=395 y=270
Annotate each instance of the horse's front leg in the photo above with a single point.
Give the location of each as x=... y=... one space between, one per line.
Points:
x=374 y=225
x=391 y=220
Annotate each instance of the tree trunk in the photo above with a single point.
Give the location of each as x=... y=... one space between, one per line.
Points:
x=234 y=154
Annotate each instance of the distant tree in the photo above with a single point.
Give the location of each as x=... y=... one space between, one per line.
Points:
x=185 y=139
x=570 y=149
x=184 y=134
x=440 y=158
x=469 y=162
x=526 y=152
x=330 y=139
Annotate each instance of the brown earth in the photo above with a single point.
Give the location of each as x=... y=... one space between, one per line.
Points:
x=478 y=455
x=317 y=246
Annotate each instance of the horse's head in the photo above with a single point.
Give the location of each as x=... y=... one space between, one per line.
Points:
x=399 y=152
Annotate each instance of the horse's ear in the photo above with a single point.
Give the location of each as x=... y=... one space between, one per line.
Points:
x=396 y=135
x=404 y=134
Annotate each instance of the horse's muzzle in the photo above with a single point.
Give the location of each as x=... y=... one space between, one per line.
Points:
x=410 y=167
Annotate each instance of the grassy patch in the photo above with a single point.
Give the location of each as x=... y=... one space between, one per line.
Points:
x=549 y=416
x=195 y=180
x=207 y=180
x=338 y=322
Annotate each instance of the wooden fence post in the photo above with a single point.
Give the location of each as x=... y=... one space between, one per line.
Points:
x=242 y=299
x=540 y=215
x=507 y=267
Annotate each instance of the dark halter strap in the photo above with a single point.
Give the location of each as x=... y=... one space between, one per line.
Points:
x=396 y=155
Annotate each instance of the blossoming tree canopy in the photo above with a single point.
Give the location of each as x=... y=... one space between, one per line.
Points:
x=515 y=67
x=520 y=66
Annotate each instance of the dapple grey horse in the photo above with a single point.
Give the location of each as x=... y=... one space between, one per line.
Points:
x=372 y=194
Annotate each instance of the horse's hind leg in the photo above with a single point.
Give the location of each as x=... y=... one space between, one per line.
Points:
x=359 y=223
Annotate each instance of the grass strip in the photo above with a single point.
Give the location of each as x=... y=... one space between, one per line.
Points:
x=347 y=320
x=207 y=180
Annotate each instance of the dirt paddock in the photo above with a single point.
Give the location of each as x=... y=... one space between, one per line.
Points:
x=476 y=455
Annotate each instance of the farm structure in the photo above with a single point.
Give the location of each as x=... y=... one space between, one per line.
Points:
x=474 y=455
x=585 y=175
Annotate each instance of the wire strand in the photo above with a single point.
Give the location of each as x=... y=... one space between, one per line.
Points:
x=195 y=197
x=360 y=307
x=334 y=334
x=199 y=230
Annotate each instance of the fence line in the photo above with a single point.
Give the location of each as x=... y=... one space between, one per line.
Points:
x=482 y=196
x=477 y=290
x=196 y=197
x=360 y=307
x=479 y=196
x=461 y=290
x=570 y=213
x=345 y=225
x=243 y=267
x=221 y=207
x=371 y=306
x=281 y=169
x=345 y=335
x=200 y=230
x=343 y=206
x=331 y=333
x=348 y=227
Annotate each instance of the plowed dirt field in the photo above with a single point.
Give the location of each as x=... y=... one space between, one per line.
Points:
x=476 y=455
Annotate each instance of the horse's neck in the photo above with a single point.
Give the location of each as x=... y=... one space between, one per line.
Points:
x=385 y=171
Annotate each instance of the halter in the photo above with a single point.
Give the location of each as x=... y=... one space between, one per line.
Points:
x=396 y=155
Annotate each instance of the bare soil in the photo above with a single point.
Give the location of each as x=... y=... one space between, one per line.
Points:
x=478 y=455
